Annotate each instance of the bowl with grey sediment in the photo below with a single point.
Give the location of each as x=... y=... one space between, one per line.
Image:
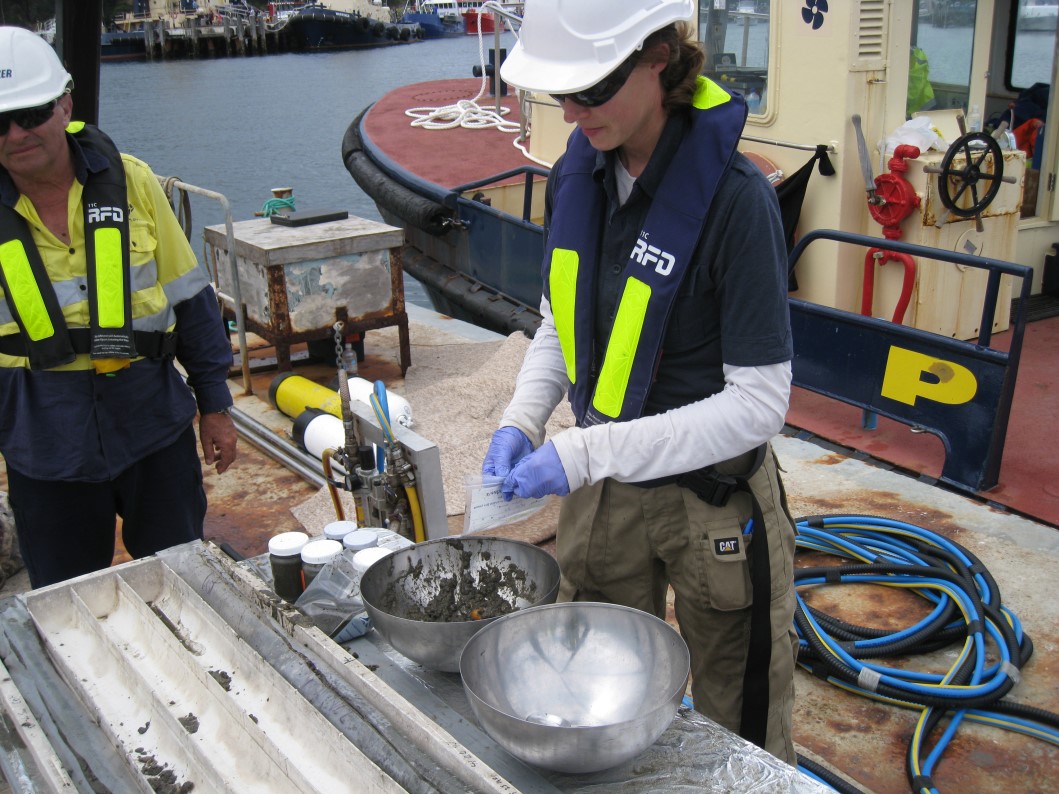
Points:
x=575 y=687
x=428 y=600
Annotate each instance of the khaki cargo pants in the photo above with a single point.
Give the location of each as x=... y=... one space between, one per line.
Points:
x=624 y=544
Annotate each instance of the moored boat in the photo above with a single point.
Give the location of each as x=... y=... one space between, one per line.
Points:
x=345 y=24
x=121 y=45
x=473 y=224
x=476 y=21
x=474 y=238
x=436 y=18
x=442 y=18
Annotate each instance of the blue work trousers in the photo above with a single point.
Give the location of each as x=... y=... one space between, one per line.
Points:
x=67 y=529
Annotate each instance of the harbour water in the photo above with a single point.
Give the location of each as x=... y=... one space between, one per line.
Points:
x=242 y=126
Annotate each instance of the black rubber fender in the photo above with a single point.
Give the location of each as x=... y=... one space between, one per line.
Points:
x=414 y=209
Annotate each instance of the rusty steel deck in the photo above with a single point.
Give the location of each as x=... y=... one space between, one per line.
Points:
x=864 y=740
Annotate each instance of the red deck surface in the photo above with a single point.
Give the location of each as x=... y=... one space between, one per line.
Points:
x=448 y=157
x=1028 y=482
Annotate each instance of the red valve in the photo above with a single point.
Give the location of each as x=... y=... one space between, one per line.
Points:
x=898 y=198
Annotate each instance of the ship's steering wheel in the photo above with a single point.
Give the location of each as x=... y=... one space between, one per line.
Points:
x=981 y=153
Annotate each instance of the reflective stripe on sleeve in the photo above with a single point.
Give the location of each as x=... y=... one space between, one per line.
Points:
x=185 y=286
x=164 y=320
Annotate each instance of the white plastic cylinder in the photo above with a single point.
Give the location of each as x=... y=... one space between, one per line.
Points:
x=400 y=411
x=322 y=433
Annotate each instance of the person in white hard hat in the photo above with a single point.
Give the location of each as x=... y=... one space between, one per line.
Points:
x=99 y=290
x=665 y=323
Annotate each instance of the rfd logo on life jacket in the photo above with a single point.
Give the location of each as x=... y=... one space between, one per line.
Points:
x=104 y=214
x=646 y=254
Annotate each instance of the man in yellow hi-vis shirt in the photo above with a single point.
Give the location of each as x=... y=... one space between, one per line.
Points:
x=100 y=291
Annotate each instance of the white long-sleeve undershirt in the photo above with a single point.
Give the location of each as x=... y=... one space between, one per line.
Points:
x=749 y=411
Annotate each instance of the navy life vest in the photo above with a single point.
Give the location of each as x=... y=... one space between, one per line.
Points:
x=656 y=266
x=30 y=296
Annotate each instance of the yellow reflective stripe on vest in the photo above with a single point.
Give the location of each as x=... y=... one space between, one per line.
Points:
x=110 y=278
x=562 y=282
x=24 y=292
x=621 y=349
x=708 y=94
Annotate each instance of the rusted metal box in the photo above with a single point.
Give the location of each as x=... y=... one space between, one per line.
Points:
x=295 y=282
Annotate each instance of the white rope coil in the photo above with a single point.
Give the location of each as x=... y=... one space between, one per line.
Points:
x=466 y=113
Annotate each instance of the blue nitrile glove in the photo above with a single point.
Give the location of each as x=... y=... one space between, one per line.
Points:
x=538 y=475
x=508 y=447
x=358 y=626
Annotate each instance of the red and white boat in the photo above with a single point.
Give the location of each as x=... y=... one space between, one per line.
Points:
x=475 y=19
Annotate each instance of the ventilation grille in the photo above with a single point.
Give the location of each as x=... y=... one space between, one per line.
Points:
x=870 y=46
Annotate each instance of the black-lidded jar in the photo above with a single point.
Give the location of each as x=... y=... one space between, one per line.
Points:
x=285 y=558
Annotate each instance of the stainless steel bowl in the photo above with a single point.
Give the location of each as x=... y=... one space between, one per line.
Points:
x=575 y=687
x=421 y=598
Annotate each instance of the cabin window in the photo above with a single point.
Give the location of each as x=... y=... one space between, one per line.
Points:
x=1032 y=49
x=1028 y=69
x=735 y=34
x=942 y=41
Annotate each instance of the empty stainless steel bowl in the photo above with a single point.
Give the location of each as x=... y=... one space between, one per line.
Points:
x=575 y=687
x=429 y=599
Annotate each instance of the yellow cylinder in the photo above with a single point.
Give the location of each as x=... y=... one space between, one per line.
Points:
x=292 y=394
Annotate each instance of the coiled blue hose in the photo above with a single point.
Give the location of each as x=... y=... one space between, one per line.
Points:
x=967 y=608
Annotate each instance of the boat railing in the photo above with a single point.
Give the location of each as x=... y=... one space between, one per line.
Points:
x=530 y=172
x=178 y=192
x=506 y=11
x=960 y=391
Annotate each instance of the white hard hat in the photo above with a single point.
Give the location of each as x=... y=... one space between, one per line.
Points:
x=568 y=45
x=30 y=71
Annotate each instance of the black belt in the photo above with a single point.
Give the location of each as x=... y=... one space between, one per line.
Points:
x=149 y=344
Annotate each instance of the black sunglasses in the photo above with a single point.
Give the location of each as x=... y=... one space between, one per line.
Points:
x=27 y=118
x=604 y=90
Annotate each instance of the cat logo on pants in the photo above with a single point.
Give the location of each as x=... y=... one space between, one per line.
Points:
x=725 y=546
x=910 y=375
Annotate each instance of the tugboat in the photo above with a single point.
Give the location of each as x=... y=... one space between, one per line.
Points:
x=887 y=159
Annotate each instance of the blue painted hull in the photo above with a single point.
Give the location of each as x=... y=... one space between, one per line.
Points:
x=433 y=26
